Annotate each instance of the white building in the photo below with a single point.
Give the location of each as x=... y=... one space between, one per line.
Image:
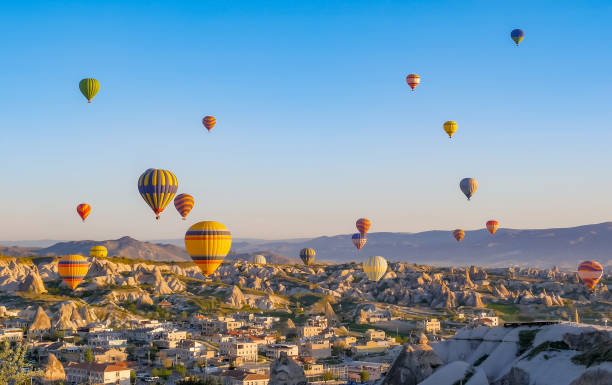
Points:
x=247 y=351
x=93 y=373
x=429 y=325
x=12 y=334
x=487 y=319
x=273 y=351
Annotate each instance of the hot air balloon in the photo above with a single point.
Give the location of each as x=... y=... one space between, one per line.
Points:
x=89 y=88
x=590 y=273
x=308 y=256
x=450 y=127
x=459 y=234
x=183 y=204
x=258 y=259
x=73 y=269
x=413 y=80
x=363 y=226
x=375 y=268
x=359 y=241
x=83 y=210
x=492 y=226
x=157 y=188
x=468 y=186
x=209 y=122
x=208 y=243
x=98 y=252
x=517 y=35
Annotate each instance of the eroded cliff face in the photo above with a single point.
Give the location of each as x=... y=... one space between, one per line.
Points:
x=414 y=364
x=284 y=371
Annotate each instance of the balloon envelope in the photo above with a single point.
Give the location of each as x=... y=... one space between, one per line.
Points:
x=89 y=88
x=517 y=35
x=307 y=255
x=359 y=240
x=450 y=127
x=468 y=186
x=83 y=210
x=459 y=234
x=363 y=225
x=209 y=122
x=375 y=268
x=413 y=80
x=183 y=203
x=590 y=273
x=73 y=269
x=98 y=252
x=492 y=226
x=157 y=187
x=258 y=259
x=208 y=243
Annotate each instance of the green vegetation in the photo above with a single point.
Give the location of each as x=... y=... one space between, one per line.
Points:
x=89 y=355
x=328 y=376
x=481 y=360
x=548 y=346
x=596 y=355
x=13 y=368
x=163 y=373
x=363 y=376
x=526 y=338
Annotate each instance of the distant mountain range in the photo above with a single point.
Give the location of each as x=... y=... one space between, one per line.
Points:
x=564 y=247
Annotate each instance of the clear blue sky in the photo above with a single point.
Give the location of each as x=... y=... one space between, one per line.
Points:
x=315 y=124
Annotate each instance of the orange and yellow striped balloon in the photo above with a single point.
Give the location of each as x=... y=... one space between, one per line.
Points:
x=183 y=203
x=73 y=269
x=83 y=210
x=413 y=80
x=209 y=122
x=492 y=226
x=208 y=243
x=590 y=273
x=450 y=127
x=363 y=226
x=459 y=234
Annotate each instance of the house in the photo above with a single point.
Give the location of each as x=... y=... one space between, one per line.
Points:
x=348 y=340
x=192 y=350
x=95 y=373
x=372 y=334
x=316 y=349
x=429 y=325
x=12 y=334
x=487 y=319
x=108 y=355
x=107 y=339
x=318 y=321
x=375 y=370
x=170 y=338
x=308 y=331
x=241 y=377
x=273 y=351
x=371 y=347
x=243 y=350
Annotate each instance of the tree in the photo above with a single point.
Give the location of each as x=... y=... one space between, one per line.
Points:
x=12 y=364
x=363 y=376
x=89 y=355
x=132 y=377
x=328 y=376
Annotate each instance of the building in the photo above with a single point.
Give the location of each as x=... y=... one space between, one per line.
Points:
x=245 y=351
x=241 y=377
x=318 y=321
x=12 y=334
x=192 y=350
x=223 y=325
x=95 y=373
x=107 y=339
x=316 y=349
x=429 y=325
x=273 y=351
x=487 y=319
x=108 y=355
x=169 y=339
x=308 y=331
x=372 y=334
x=375 y=370
x=371 y=347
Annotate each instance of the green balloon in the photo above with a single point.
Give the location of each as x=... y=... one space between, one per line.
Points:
x=89 y=88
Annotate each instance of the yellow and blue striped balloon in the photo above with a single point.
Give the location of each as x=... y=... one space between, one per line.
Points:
x=375 y=268
x=73 y=269
x=157 y=187
x=208 y=243
x=308 y=255
x=98 y=252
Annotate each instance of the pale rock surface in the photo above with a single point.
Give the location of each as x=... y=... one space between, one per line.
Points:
x=284 y=371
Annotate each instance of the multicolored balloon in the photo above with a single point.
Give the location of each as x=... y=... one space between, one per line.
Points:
x=157 y=187
x=492 y=226
x=209 y=122
x=258 y=259
x=375 y=268
x=413 y=80
x=459 y=235
x=308 y=256
x=73 y=269
x=89 y=88
x=450 y=127
x=359 y=241
x=590 y=273
x=183 y=203
x=208 y=243
x=517 y=35
x=363 y=226
x=468 y=186
x=83 y=210
x=98 y=252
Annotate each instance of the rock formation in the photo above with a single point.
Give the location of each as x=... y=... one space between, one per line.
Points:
x=516 y=376
x=284 y=371
x=41 y=322
x=414 y=364
x=235 y=298
x=53 y=370
x=596 y=376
